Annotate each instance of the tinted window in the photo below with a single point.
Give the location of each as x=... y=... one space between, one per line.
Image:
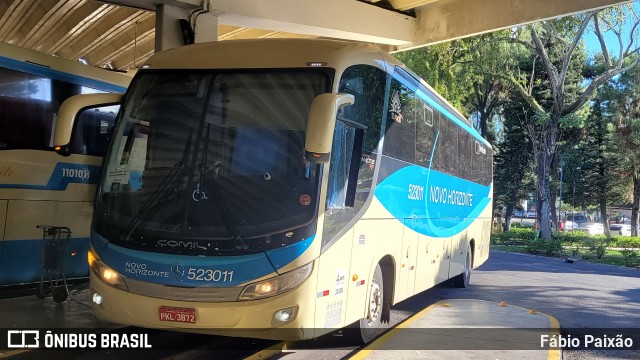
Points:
x=26 y=110
x=400 y=131
x=425 y=134
x=92 y=130
x=28 y=105
x=366 y=84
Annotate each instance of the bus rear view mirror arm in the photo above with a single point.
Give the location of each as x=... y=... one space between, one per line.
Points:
x=68 y=114
x=321 y=124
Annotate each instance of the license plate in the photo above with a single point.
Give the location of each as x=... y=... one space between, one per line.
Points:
x=176 y=314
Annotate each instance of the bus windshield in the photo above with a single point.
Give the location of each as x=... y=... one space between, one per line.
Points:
x=211 y=162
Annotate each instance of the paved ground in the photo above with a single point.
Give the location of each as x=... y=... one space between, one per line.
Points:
x=579 y=295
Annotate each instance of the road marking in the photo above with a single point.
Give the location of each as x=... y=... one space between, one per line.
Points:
x=376 y=344
x=6 y=354
x=270 y=351
x=554 y=329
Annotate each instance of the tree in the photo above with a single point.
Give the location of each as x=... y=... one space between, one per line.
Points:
x=563 y=37
x=601 y=160
x=628 y=135
x=461 y=71
x=439 y=66
x=512 y=160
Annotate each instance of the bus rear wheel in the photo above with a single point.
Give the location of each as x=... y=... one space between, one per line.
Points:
x=367 y=328
x=462 y=280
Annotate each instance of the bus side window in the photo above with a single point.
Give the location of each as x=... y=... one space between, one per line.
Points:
x=339 y=207
x=344 y=139
x=367 y=84
x=26 y=110
x=400 y=132
x=425 y=134
x=92 y=131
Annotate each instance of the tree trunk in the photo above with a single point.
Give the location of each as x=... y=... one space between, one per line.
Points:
x=604 y=216
x=553 y=194
x=543 y=169
x=636 y=203
x=507 y=217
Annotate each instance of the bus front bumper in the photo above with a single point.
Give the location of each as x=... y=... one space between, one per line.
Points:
x=241 y=318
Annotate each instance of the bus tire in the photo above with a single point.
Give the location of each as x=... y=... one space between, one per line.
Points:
x=462 y=280
x=369 y=327
x=60 y=294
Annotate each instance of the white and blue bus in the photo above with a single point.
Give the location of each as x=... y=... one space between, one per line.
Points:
x=282 y=189
x=37 y=186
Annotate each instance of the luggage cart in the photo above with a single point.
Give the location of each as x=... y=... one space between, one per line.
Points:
x=55 y=239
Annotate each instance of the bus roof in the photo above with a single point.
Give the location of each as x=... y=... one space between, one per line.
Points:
x=265 y=53
x=38 y=63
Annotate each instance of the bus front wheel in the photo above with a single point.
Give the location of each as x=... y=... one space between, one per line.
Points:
x=367 y=328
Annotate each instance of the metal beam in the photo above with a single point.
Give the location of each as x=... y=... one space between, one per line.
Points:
x=90 y=14
x=403 y=5
x=344 y=19
x=50 y=22
x=446 y=20
x=129 y=39
x=13 y=19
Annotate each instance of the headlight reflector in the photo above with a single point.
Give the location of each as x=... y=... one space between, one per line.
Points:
x=276 y=285
x=105 y=273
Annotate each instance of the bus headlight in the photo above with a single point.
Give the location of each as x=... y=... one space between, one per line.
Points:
x=105 y=273
x=276 y=285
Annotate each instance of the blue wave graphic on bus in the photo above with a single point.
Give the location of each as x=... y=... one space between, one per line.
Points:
x=63 y=175
x=188 y=271
x=437 y=204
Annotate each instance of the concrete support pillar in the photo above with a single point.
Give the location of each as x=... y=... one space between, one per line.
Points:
x=168 y=32
x=206 y=28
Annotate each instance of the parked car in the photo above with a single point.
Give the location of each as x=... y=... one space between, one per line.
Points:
x=578 y=218
x=570 y=225
x=592 y=228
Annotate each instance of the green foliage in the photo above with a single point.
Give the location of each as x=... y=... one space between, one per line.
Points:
x=438 y=66
x=618 y=250
x=516 y=236
x=628 y=243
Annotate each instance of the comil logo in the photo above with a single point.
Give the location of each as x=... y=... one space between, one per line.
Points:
x=480 y=149
x=23 y=339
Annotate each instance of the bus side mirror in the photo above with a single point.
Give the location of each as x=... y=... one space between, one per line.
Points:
x=321 y=124
x=68 y=114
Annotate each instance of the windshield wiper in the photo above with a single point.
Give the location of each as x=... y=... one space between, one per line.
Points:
x=168 y=186
x=226 y=216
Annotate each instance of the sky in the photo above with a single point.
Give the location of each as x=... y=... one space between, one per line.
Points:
x=593 y=46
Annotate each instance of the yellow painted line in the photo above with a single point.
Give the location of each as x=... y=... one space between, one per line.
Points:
x=6 y=354
x=554 y=327
x=376 y=344
x=270 y=351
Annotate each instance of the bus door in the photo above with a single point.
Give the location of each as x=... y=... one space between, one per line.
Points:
x=338 y=228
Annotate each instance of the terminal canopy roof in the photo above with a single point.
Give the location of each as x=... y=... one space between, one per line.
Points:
x=122 y=34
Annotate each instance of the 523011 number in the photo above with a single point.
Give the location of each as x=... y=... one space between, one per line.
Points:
x=210 y=275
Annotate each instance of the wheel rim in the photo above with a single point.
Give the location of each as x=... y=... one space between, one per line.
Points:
x=375 y=304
